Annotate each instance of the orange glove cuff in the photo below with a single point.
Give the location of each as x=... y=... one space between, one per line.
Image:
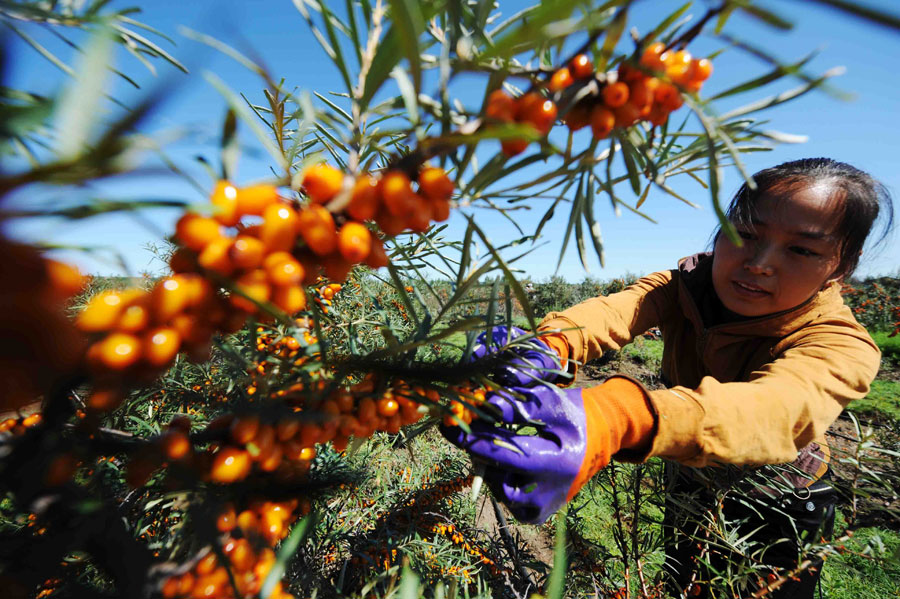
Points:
x=617 y=416
x=557 y=342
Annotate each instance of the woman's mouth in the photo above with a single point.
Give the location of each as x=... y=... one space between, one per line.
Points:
x=749 y=290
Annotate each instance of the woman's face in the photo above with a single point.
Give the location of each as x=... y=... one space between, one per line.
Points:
x=790 y=251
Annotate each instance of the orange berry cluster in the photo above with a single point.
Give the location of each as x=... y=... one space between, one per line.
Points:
x=649 y=91
x=138 y=333
x=208 y=579
x=459 y=411
x=324 y=296
x=18 y=426
x=531 y=108
x=458 y=538
x=39 y=342
x=389 y=200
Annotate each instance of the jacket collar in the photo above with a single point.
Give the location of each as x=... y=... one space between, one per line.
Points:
x=698 y=299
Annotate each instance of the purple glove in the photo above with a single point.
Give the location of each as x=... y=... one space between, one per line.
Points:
x=535 y=475
x=525 y=362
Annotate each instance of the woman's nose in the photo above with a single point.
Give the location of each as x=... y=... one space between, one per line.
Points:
x=760 y=260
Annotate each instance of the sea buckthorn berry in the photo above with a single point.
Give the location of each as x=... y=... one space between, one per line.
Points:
x=246 y=252
x=668 y=96
x=119 y=351
x=244 y=429
x=255 y=286
x=224 y=199
x=286 y=429
x=440 y=210
x=602 y=121
x=316 y=226
x=322 y=182
x=615 y=94
x=377 y=257
x=60 y=469
x=254 y=199
x=279 y=227
x=229 y=465
x=336 y=267
x=227 y=520
x=640 y=93
x=160 y=346
x=104 y=400
x=286 y=271
x=578 y=117
x=512 y=147
x=354 y=241
x=678 y=65
x=170 y=297
x=387 y=406
x=701 y=69
x=626 y=115
x=175 y=445
x=101 y=313
x=364 y=198
x=215 y=257
x=560 y=80
x=182 y=260
x=540 y=112
x=64 y=279
x=629 y=73
x=290 y=299
x=435 y=184
x=139 y=469
x=652 y=56
x=500 y=106
x=420 y=217
x=396 y=193
x=581 y=67
x=196 y=232
x=389 y=224
x=134 y=318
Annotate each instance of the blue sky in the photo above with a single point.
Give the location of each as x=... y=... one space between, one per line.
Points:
x=863 y=132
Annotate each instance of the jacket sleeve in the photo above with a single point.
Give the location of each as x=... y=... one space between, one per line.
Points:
x=783 y=406
x=610 y=322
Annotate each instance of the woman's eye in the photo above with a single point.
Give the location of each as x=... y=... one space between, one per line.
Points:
x=803 y=251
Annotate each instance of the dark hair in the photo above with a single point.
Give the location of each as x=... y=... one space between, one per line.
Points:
x=862 y=198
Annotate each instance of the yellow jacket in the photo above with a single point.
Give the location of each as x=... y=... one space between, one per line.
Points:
x=745 y=392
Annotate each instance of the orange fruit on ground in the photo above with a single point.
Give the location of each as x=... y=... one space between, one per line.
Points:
x=196 y=232
x=254 y=199
x=602 y=121
x=500 y=106
x=560 y=80
x=246 y=252
x=615 y=94
x=119 y=351
x=434 y=184
x=224 y=199
x=354 y=241
x=316 y=226
x=229 y=465
x=322 y=182
x=581 y=67
x=364 y=198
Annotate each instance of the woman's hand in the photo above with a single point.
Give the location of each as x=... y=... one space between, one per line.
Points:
x=577 y=432
x=523 y=361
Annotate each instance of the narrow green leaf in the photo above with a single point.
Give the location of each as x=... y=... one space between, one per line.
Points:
x=335 y=44
x=408 y=93
x=240 y=110
x=557 y=585
x=628 y=154
x=782 y=97
x=591 y=221
x=878 y=17
x=766 y=16
x=613 y=34
x=230 y=147
x=77 y=110
x=779 y=72
x=410 y=23
x=409 y=584
x=573 y=217
x=155 y=49
x=666 y=23
x=287 y=550
x=221 y=47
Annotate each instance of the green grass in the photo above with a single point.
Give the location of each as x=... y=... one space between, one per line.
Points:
x=647 y=352
x=883 y=400
x=850 y=575
x=889 y=346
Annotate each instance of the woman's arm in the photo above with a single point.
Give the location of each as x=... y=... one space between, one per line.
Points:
x=783 y=406
x=610 y=322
